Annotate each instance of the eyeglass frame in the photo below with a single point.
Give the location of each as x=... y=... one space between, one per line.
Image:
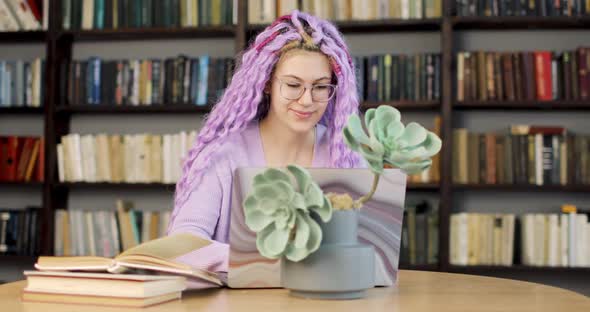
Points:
x=305 y=87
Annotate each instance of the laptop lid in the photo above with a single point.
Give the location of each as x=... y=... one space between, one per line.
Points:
x=380 y=224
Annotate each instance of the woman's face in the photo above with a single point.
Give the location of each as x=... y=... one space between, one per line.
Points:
x=296 y=69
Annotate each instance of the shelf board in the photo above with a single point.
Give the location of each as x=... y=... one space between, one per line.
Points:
x=107 y=185
x=405 y=105
x=21 y=110
x=419 y=267
x=22 y=36
x=523 y=105
x=140 y=186
x=20 y=184
x=143 y=109
x=226 y=31
x=516 y=268
x=522 y=188
x=14 y=258
x=520 y=22
x=429 y=187
x=187 y=108
x=384 y=25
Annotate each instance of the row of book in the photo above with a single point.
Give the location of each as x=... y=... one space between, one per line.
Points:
x=266 y=11
x=530 y=75
x=22 y=159
x=525 y=154
x=532 y=239
x=482 y=239
x=180 y=80
x=105 y=233
x=138 y=158
x=522 y=7
x=118 y=14
x=22 y=83
x=419 y=241
x=399 y=77
x=23 y=15
x=555 y=240
x=19 y=231
x=538 y=75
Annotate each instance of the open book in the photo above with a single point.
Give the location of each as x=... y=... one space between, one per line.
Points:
x=156 y=255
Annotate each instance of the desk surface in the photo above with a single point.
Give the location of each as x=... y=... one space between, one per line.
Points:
x=417 y=291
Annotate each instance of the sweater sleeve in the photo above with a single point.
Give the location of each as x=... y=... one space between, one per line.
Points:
x=199 y=215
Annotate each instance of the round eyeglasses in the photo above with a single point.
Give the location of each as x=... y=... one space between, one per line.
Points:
x=292 y=90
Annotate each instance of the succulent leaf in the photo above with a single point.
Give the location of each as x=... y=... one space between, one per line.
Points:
x=278 y=210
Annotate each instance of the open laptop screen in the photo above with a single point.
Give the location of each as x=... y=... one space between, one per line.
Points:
x=380 y=224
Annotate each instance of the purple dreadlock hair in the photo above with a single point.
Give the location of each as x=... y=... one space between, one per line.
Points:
x=243 y=100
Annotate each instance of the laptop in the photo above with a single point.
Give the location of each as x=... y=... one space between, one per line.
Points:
x=380 y=224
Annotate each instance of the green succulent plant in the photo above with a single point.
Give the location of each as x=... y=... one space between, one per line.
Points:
x=389 y=142
x=279 y=212
x=409 y=148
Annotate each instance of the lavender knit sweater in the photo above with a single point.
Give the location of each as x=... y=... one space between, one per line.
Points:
x=207 y=211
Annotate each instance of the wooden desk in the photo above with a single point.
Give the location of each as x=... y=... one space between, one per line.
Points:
x=417 y=291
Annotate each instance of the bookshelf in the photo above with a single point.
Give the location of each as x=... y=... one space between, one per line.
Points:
x=57 y=118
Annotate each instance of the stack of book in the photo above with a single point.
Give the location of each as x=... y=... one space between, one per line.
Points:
x=84 y=280
x=121 y=290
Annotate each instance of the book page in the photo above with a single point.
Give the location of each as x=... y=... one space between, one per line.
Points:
x=168 y=247
x=159 y=255
x=122 y=266
x=73 y=263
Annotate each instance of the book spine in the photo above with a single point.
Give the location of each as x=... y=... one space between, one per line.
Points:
x=203 y=80
x=584 y=71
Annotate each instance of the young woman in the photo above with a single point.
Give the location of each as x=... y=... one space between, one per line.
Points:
x=287 y=103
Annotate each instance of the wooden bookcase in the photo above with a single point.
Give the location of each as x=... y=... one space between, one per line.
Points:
x=57 y=117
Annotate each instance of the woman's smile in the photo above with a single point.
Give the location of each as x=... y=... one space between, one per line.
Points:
x=301 y=114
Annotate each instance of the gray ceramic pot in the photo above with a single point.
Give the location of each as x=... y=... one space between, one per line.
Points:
x=340 y=269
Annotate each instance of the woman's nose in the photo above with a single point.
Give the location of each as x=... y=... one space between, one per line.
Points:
x=306 y=98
